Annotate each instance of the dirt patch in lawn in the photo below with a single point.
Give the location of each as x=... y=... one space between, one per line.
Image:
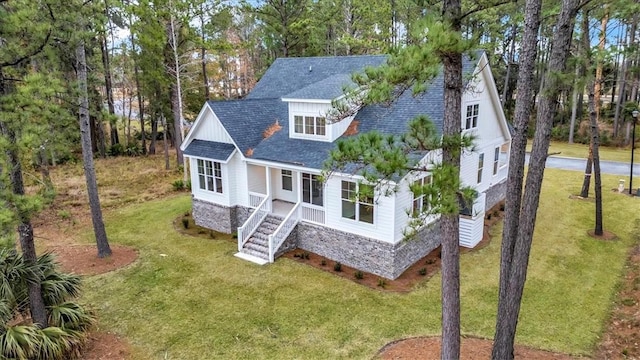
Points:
x=621 y=339
x=428 y=348
x=606 y=235
x=84 y=260
x=105 y=346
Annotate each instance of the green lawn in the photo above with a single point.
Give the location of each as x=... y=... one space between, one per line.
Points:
x=190 y=298
x=582 y=151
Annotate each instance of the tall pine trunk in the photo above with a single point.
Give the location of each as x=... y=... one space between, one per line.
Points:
x=87 y=156
x=25 y=229
x=586 y=182
x=503 y=340
x=595 y=145
x=516 y=270
x=449 y=223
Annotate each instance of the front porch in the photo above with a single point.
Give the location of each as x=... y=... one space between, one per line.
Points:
x=281 y=198
x=286 y=188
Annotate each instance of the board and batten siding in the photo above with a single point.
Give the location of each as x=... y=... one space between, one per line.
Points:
x=210 y=129
x=383 y=223
x=489 y=135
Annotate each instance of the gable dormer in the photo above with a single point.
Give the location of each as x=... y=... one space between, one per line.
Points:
x=309 y=106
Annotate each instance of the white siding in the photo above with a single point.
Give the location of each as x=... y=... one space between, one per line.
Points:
x=209 y=128
x=337 y=129
x=489 y=135
x=333 y=131
x=214 y=197
x=383 y=223
x=257 y=178
x=278 y=191
x=236 y=180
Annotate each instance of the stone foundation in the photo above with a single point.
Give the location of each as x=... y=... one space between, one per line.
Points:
x=218 y=217
x=366 y=254
x=363 y=253
x=496 y=194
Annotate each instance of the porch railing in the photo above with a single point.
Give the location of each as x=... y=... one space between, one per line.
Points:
x=255 y=199
x=252 y=223
x=313 y=213
x=280 y=234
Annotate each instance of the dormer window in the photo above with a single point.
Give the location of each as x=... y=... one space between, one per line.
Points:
x=310 y=125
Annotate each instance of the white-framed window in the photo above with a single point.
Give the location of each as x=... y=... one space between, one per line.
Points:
x=471 y=119
x=480 y=167
x=357 y=202
x=504 y=154
x=310 y=125
x=312 y=189
x=421 y=201
x=287 y=180
x=210 y=175
x=298 y=125
x=496 y=160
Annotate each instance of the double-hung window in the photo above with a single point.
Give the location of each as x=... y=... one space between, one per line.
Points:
x=496 y=160
x=210 y=175
x=287 y=180
x=309 y=125
x=421 y=201
x=357 y=202
x=471 y=119
x=312 y=189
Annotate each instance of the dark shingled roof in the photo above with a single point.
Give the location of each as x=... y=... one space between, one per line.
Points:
x=287 y=75
x=210 y=150
x=246 y=120
x=327 y=89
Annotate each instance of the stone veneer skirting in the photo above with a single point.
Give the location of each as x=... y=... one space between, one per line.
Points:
x=374 y=256
x=366 y=254
x=218 y=217
x=495 y=194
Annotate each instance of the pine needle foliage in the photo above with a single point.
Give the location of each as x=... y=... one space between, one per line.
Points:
x=383 y=160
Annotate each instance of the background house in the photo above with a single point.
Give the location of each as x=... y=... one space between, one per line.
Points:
x=255 y=166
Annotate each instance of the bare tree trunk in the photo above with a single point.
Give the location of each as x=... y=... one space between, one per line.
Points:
x=176 y=100
x=154 y=135
x=87 y=157
x=25 y=230
x=203 y=55
x=136 y=75
x=577 y=92
x=505 y=89
x=595 y=143
x=165 y=143
x=504 y=336
x=449 y=223
x=115 y=139
x=516 y=271
x=584 y=192
x=599 y=67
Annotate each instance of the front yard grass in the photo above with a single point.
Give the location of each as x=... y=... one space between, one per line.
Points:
x=190 y=298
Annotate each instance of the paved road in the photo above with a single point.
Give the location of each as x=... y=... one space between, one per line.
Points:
x=607 y=167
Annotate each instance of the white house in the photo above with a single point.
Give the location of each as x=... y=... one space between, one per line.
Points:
x=255 y=166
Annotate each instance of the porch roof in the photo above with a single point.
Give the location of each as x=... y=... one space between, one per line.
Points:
x=210 y=150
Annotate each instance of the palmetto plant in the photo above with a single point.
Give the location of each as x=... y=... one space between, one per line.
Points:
x=68 y=321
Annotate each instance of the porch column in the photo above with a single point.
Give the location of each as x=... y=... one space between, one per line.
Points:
x=299 y=180
x=267 y=171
